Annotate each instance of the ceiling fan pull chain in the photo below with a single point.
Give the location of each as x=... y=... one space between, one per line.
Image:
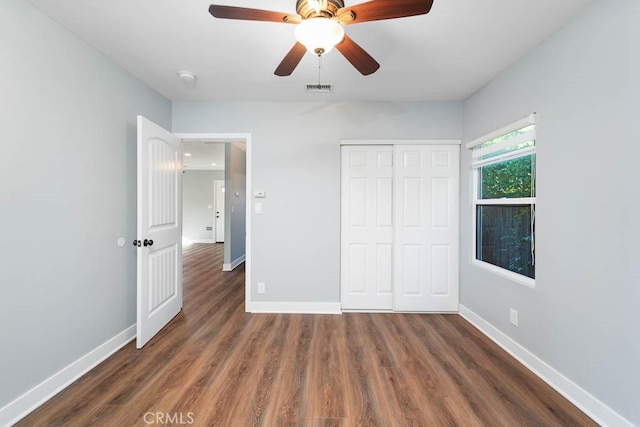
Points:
x=319 y=71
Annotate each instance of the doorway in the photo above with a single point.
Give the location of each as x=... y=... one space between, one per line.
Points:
x=203 y=164
x=215 y=197
x=242 y=143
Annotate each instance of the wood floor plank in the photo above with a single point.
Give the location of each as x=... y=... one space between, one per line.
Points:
x=215 y=365
x=289 y=388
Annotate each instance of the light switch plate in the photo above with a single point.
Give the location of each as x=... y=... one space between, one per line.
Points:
x=513 y=317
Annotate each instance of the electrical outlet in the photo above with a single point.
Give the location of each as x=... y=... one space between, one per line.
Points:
x=261 y=288
x=513 y=317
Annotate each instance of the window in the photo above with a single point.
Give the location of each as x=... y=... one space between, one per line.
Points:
x=504 y=200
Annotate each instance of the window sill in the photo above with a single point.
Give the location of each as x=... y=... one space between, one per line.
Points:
x=510 y=275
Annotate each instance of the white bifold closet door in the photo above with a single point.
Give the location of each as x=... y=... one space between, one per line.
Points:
x=400 y=227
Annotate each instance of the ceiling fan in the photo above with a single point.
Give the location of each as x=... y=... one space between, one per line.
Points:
x=319 y=26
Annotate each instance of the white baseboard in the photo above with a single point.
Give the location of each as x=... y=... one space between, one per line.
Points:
x=594 y=408
x=295 y=307
x=32 y=399
x=201 y=241
x=234 y=264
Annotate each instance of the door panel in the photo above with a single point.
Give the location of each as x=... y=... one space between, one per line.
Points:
x=159 y=282
x=219 y=210
x=426 y=229
x=367 y=228
x=384 y=268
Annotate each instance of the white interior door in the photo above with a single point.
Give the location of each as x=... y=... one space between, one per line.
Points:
x=426 y=187
x=218 y=190
x=159 y=229
x=367 y=228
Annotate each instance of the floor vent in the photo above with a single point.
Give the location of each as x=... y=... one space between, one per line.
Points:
x=316 y=87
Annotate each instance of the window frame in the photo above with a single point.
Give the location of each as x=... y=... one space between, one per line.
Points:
x=476 y=201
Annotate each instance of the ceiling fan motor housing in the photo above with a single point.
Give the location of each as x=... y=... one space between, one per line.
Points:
x=306 y=8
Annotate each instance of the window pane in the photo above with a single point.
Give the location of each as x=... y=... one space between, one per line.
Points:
x=509 y=179
x=504 y=237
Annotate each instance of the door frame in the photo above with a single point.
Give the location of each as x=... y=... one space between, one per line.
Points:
x=226 y=138
x=216 y=182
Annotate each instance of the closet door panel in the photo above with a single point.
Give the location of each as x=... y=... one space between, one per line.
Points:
x=366 y=270
x=426 y=228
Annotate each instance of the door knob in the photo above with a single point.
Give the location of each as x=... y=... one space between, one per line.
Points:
x=137 y=243
x=148 y=242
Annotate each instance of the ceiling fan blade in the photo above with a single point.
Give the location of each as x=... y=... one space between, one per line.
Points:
x=291 y=60
x=358 y=57
x=376 y=10
x=232 y=12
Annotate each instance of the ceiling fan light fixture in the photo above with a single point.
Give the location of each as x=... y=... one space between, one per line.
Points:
x=319 y=35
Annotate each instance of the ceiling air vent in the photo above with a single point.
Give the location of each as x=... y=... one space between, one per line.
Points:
x=317 y=87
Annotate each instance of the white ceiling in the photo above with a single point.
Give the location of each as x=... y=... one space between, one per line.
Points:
x=445 y=55
x=204 y=155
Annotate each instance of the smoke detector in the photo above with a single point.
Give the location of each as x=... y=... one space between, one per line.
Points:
x=187 y=78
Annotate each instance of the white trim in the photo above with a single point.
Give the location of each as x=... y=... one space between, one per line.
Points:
x=32 y=399
x=518 y=124
x=296 y=307
x=507 y=274
x=585 y=401
x=234 y=264
x=506 y=201
x=235 y=137
x=400 y=142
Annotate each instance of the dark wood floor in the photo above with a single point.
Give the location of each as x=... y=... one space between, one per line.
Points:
x=215 y=365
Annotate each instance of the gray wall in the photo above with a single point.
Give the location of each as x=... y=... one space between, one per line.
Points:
x=296 y=161
x=197 y=195
x=235 y=201
x=67 y=192
x=583 y=316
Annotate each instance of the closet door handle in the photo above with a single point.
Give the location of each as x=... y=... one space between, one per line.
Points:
x=148 y=242
x=137 y=243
